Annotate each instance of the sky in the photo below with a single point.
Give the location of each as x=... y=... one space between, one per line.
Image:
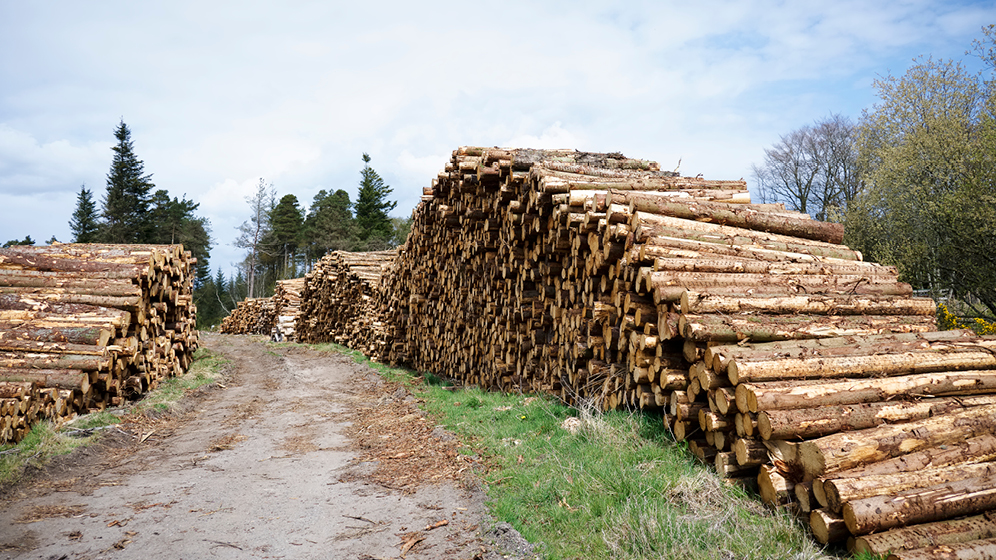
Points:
x=219 y=95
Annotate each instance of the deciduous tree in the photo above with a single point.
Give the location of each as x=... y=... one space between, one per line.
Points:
x=812 y=169
x=929 y=206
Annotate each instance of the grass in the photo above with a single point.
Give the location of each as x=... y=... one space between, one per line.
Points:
x=206 y=368
x=45 y=441
x=617 y=487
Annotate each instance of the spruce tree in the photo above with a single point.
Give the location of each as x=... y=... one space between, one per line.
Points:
x=372 y=205
x=126 y=203
x=85 y=222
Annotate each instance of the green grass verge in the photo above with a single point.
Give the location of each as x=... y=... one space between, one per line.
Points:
x=207 y=368
x=45 y=442
x=620 y=487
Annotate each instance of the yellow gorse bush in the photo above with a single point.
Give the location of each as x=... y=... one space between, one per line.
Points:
x=947 y=321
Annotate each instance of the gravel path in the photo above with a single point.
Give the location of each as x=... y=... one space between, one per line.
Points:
x=265 y=465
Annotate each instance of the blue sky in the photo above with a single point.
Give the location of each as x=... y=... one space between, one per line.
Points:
x=220 y=94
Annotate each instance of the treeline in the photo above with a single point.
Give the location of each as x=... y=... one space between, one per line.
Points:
x=913 y=180
x=283 y=239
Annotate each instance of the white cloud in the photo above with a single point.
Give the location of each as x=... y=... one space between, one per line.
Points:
x=219 y=94
x=30 y=167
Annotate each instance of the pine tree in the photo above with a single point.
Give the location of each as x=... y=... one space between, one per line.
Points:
x=329 y=225
x=85 y=221
x=372 y=206
x=126 y=203
x=287 y=222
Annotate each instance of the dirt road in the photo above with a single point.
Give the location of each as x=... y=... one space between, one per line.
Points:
x=298 y=454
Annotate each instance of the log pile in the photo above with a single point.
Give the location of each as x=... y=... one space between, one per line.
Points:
x=286 y=309
x=774 y=350
x=339 y=301
x=250 y=316
x=86 y=326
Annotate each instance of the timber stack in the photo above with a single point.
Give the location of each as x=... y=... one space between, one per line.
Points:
x=775 y=351
x=340 y=301
x=286 y=309
x=85 y=326
x=250 y=316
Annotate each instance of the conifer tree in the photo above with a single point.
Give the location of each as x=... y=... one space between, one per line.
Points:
x=372 y=205
x=126 y=203
x=85 y=221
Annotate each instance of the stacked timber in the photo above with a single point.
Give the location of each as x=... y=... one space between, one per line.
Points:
x=775 y=351
x=340 y=301
x=250 y=316
x=870 y=433
x=85 y=326
x=286 y=308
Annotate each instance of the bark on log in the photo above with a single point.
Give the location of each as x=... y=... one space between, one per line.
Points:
x=779 y=395
x=823 y=420
x=843 y=490
x=725 y=214
x=983 y=549
x=845 y=450
x=950 y=531
x=934 y=503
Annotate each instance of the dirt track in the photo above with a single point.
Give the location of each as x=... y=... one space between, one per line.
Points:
x=297 y=455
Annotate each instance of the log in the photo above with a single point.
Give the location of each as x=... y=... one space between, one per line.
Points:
x=58 y=378
x=949 y=531
x=845 y=450
x=862 y=366
x=972 y=450
x=646 y=226
x=774 y=488
x=702 y=303
x=974 y=550
x=740 y=217
x=779 y=395
x=843 y=490
x=764 y=328
x=74 y=333
x=808 y=423
x=933 y=503
x=827 y=526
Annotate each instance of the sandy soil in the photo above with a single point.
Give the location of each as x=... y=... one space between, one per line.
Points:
x=296 y=454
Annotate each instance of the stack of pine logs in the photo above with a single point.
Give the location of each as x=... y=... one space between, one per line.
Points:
x=874 y=434
x=339 y=301
x=250 y=316
x=85 y=326
x=781 y=357
x=601 y=279
x=286 y=309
